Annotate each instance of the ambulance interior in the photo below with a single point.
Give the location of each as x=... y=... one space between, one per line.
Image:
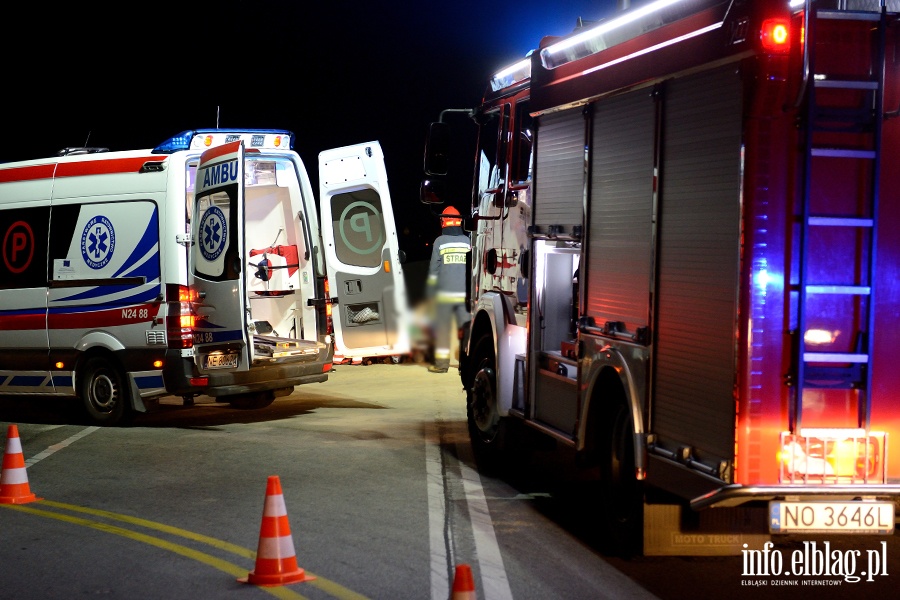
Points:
x=278 y=273
x=278 y=251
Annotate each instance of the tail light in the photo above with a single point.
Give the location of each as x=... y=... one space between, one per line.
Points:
x=775 y=36
x=180 y=316
x=329 y=322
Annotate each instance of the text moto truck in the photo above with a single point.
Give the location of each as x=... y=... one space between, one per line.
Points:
x=197 y=267
x=677 y=267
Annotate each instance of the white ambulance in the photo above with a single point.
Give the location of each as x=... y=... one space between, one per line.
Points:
x=119 y=284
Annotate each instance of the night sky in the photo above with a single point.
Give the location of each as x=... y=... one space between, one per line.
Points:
x=339 y=73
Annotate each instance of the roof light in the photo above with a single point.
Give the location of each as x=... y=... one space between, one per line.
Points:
x=775 y=36
x=199 y=139
x=512 y=74
x=591 y=41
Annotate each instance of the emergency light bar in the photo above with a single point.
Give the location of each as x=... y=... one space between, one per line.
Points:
x=512 y=74
x=593 y=40
x=620 y=29
x=201 y=139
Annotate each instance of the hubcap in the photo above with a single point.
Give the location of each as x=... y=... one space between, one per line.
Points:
x=103 y=392
x=484 y=409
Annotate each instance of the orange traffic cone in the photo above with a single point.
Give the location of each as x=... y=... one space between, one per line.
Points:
x=463 y=584
x=276 y=562
x=14 y=480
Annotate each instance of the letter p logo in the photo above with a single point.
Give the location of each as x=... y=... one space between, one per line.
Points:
x=360 y=224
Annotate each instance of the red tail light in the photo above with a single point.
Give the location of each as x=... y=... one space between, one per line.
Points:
x=180 y=316
x=329 y=323
x=775 y=36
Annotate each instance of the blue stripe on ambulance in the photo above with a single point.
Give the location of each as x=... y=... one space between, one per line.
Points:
x=149 y=381
x=107 y=290
x=147 y=243
x=62 y=380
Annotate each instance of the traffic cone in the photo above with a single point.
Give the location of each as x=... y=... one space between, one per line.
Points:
x=276 y=562
x=463 y=584
x=14 y=487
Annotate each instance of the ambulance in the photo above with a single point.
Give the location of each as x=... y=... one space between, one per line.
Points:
x=195 y=267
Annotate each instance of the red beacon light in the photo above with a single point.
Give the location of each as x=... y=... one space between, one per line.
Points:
x=775 y=36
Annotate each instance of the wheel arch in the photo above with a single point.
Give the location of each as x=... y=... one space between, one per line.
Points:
x=611 y=385
x=493 y=316
x=111 y=354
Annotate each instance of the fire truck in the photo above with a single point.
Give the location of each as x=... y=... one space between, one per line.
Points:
x=677 y=272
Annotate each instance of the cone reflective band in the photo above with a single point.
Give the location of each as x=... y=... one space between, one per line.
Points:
x=14 y=487
x=276 y=562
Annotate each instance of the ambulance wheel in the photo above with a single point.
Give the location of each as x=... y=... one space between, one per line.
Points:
x=104 y=391
x=252 y=400
x=483 y=416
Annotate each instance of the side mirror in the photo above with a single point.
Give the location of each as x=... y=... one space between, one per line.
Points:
x=437 y=149
x=431 y=192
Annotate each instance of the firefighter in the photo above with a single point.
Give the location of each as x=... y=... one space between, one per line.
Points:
x=446 y=284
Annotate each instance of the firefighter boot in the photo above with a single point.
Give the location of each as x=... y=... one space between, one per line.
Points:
x=437 y=368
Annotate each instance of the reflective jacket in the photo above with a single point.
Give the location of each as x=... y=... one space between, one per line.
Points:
x=447 y=272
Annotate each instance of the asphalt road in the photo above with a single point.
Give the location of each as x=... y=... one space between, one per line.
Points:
x=379 y=488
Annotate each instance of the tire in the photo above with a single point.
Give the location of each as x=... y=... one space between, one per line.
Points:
x=105 y=392
x=622 y=494
x=486 y=428
x=252 y=400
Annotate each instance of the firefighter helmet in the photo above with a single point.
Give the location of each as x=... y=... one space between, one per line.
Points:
x=450 y=217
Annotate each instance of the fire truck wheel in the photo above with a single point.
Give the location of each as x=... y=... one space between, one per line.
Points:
x=485 y=426
x=252 y=400
x=622 y=492
x=104 y=391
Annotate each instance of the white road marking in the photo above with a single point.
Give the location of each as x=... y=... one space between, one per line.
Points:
x=495 y=585
x=490 y=562
x=55 y=447
x=437 y=512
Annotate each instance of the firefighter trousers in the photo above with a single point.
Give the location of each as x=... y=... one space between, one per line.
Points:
x=446 y=314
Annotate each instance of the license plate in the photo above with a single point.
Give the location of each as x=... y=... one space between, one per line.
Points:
x=221 y=361
x=831 y=517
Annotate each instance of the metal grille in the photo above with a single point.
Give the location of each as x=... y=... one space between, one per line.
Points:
x=833 y=456
x=156 y=337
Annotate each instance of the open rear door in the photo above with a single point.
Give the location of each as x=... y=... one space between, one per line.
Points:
x=362 y=254
x=220 y=330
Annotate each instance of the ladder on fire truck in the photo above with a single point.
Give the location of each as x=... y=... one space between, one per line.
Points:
x=836 y=131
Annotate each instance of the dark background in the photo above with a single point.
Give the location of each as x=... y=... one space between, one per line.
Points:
x=129 y=75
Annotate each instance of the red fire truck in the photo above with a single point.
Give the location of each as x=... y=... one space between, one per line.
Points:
x=677 y=267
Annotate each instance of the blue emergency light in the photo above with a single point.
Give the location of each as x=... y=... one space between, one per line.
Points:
x=200 y=139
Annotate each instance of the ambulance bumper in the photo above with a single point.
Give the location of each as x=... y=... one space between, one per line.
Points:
x=263 y=378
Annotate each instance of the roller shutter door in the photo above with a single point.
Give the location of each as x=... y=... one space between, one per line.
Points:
x=559 y=182
x=699 y=240
x=620 y=246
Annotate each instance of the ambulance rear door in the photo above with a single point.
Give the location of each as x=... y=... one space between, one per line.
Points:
x=220 y=328
x=362 y=256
